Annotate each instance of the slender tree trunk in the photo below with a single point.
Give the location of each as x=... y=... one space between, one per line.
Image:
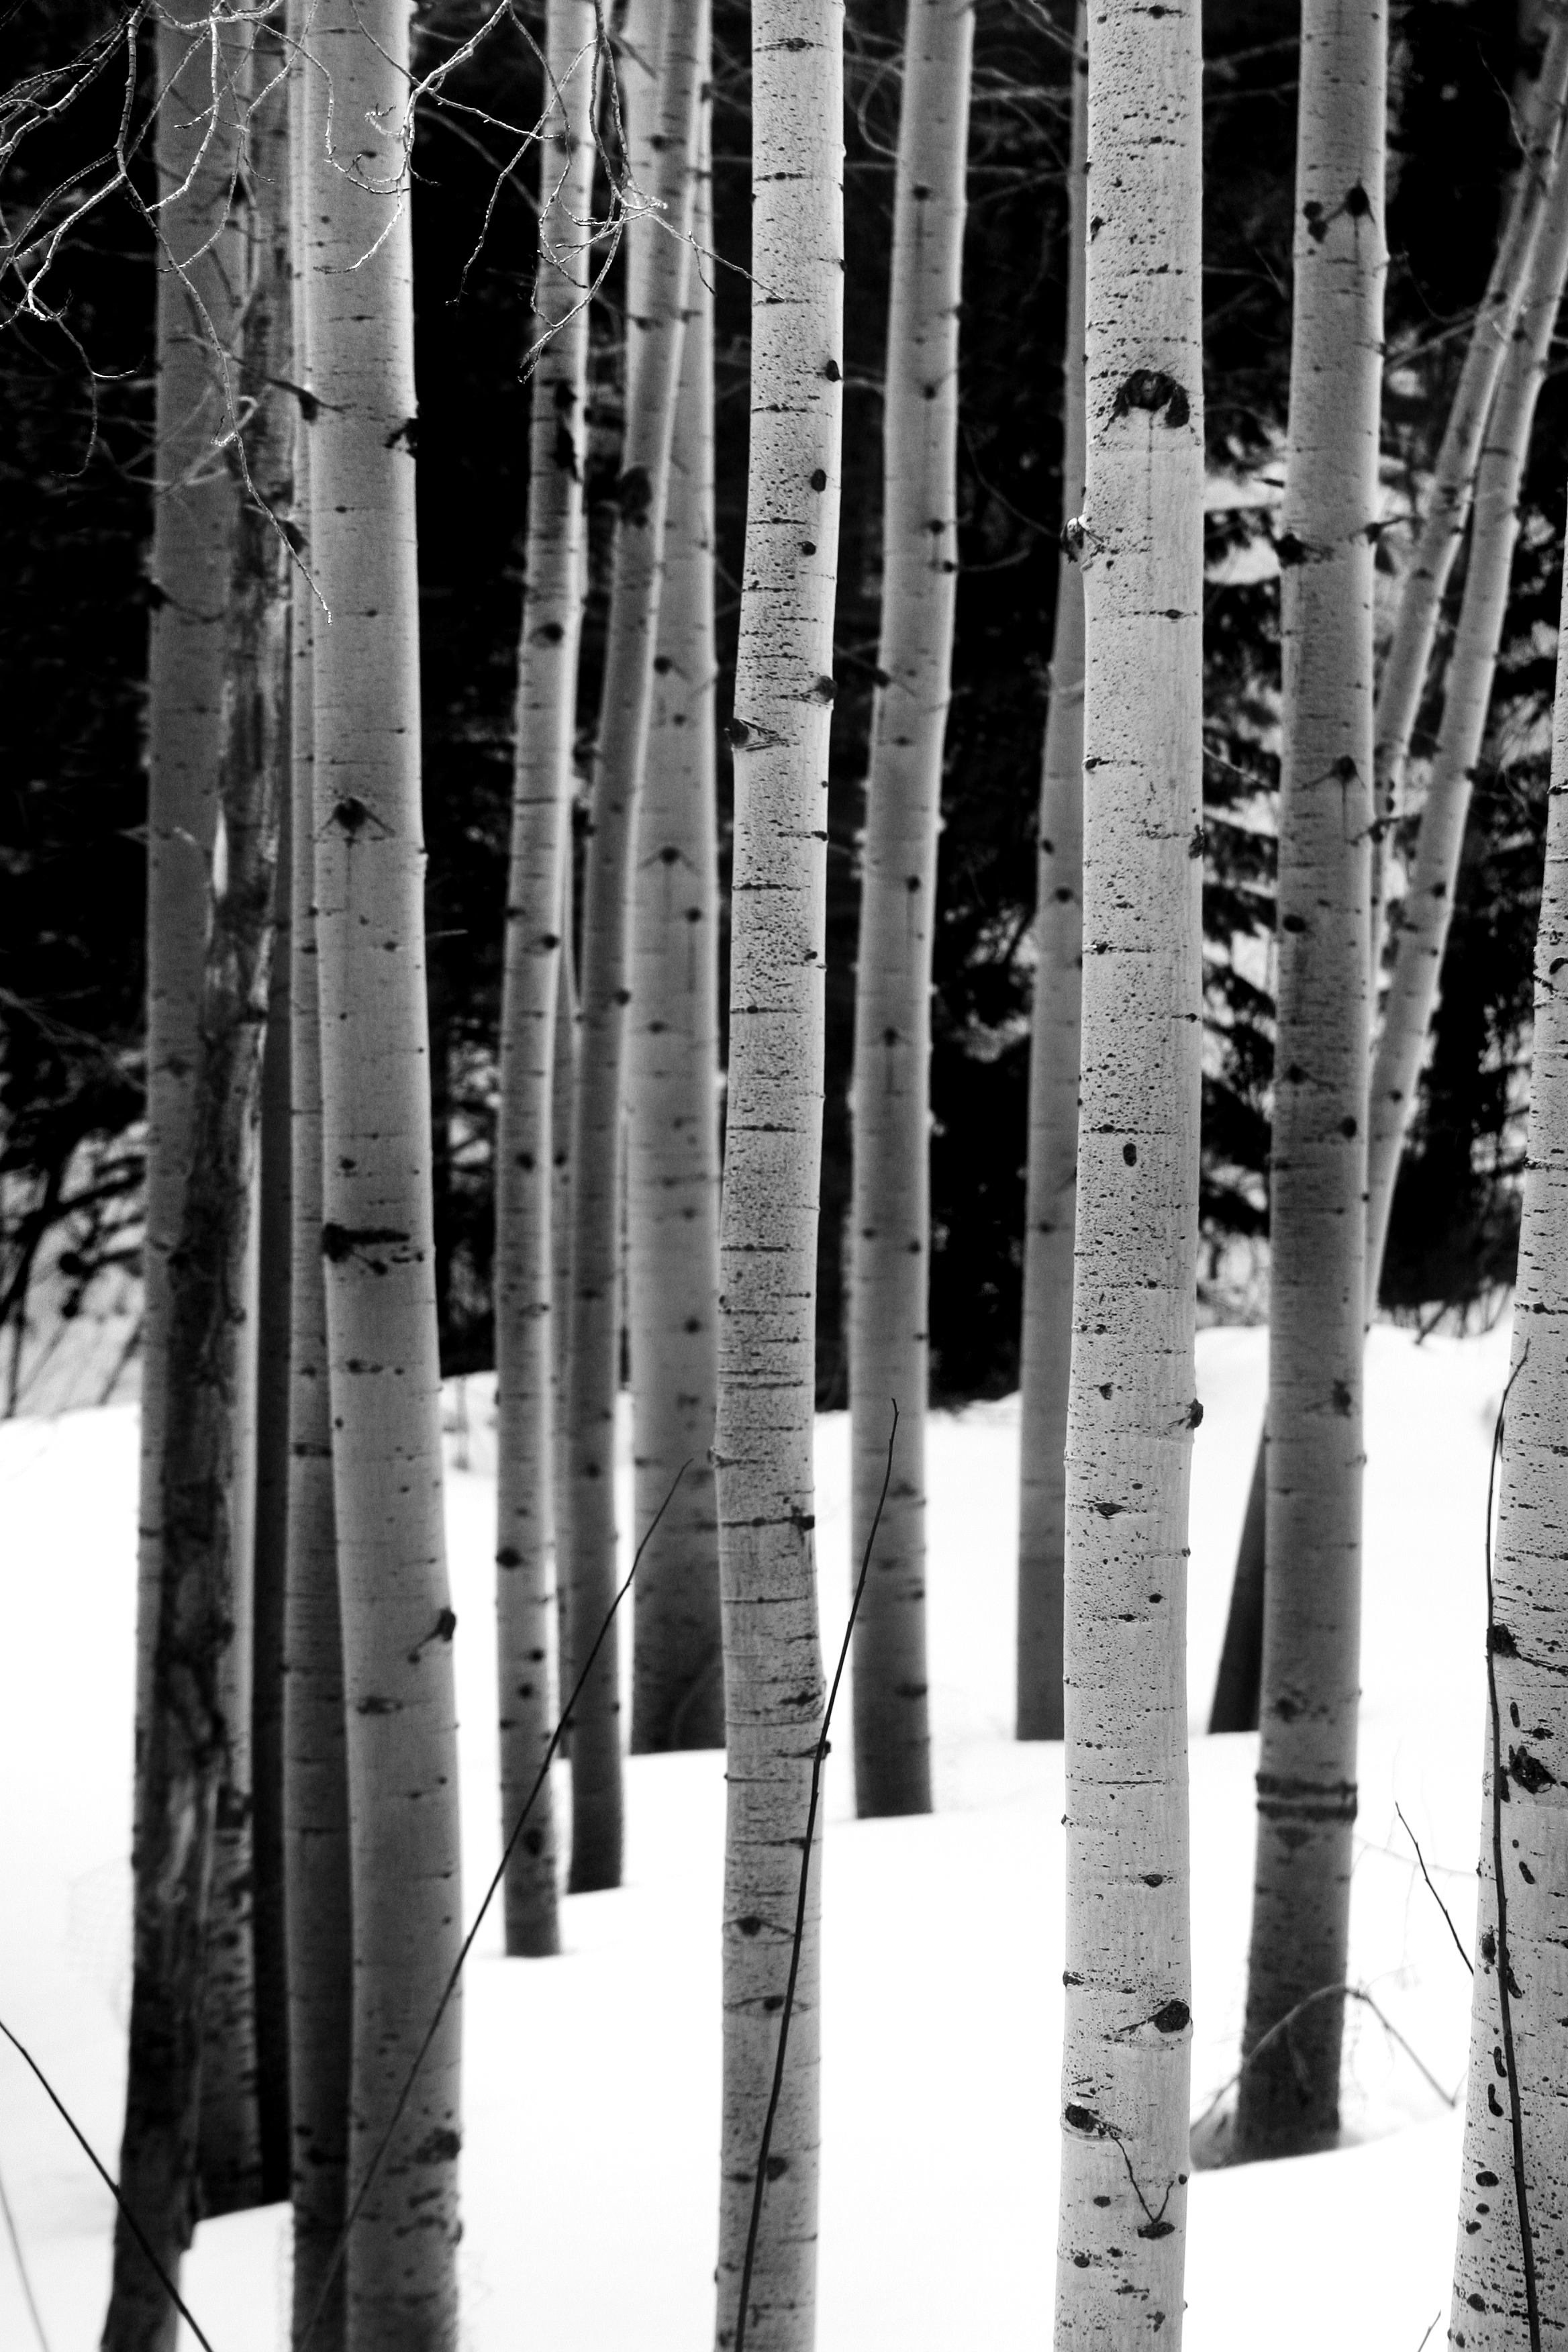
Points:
x=890 y=1205
x=1423 y=923
x=562 y=1088
x=1399 y=694
x=783 y=692
x=1288 y=2099
x=541 y=842
x=1121 y=2239
x=1510 y=2268
x=1442 y=528
x=672 y=1074
x=199 y=268
x=316 y=1855
x=1054 y=1046
x=270 y=1548
x=596 y=1129
x=190 y=1956
x=376 y=1235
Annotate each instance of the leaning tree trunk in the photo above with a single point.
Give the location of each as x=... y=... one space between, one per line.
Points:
x=1052 y=1180
x=315 y=1769
x=1289 y=2094
x=185 y=1959
x=890 y=1203
x=1442 y=528
x=1423 y=922
x=269 y=1553
x=377 y=1228
x=1399 y=693
x=593 y=1372
x=672 y=1070
x=1121 y=2239
x=541 y=842
x=774 y=1692
x=1510 y=2268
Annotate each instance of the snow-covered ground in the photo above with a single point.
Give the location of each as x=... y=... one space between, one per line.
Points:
x=592 y=2081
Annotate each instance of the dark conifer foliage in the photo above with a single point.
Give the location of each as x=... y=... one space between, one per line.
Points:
x=75 y=514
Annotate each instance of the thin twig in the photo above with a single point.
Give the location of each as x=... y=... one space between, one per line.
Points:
x=132 y=2223
x=1434 y=1894
x=1516 y=2119
x=12 y=2233
x=818 y=1758
x=1282 y=2026
x=442 y=2006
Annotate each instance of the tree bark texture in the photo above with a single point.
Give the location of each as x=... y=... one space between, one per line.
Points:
x=376 y=1233
x=1288 y=2099
x=1237 y=1683
x=1052 y=1179
x=1406 y=664
x=317 y=1915
x=1132 y=1406
x=672 y=1061
x=593 y=1367
x=182 y=2153
x=541 y=842
x=1515 y=2113
x=1422 y=926
x=891 y=1200
x=784 y=693
x=269 y=1550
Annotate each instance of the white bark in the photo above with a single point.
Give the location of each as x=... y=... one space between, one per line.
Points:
x=890 y=1199
x=1409 y=654
x=593 y=1373
x=672 y=1064
x=316 y=1862
x=540 y=841
x=783 y=692
x=1127 y=2041
x=1421 y=924
x=1049 y=1215
x=1516 y=2115
x=1288 y=2097
x=376 y=1233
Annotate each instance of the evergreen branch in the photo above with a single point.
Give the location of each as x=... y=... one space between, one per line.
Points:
x=818 y=1758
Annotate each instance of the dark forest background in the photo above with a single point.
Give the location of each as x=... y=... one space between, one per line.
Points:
x=75 y=517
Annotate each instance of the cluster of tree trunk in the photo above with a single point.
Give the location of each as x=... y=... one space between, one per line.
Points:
x=296 y=2021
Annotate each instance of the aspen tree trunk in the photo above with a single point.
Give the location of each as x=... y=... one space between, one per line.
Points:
x=1126 y=2055
x=672 y=1069
x=198 y=287
x=1288 y=2099
x=563 y=1087
x=1399 y=694
x=1511 y=2285
x=541 y=842
x=376 y=1233
x=774 y=1692
x=890 y=1203
x=190 y=1956
x=593 y=1376
x=1054 y=1044
x=1409 y=654
x=269 y=1552
x=1423 y=923
x=316 y=1856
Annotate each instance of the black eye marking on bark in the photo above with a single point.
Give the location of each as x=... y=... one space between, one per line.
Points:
x=1154 y=1878
x=1501 y=1642
x=1194 y=1413
x=1175 y=2016
x=509 y=1557
x=1348 y=1128
x=808 y=546
x=801 y=1521
x=1153 y=389
x=749 y=1925
x=442 y=2147
x=405 y=435
x=1293 y=923
x=1343 y=1399
x=1530 y=1771
x=444 y=1628
x=824 y=690
x=351 y=814
x=341 y=1241
x=662 y=664
x=1197 y=845
x=832 y=372
x=1096 y=225
x=1083 y=2119
x=565 y=450
x=550 y=632
x=1289 y=549
x=1129 y=1153
x=819 y=479
x=634 y=495
x=1107 y=1510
